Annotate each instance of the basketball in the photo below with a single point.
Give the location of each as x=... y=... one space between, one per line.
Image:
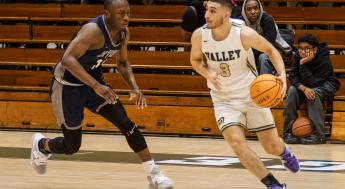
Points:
x=301 y=127
x=265 y=91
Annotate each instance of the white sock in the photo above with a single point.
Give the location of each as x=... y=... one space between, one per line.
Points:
x=148 y=165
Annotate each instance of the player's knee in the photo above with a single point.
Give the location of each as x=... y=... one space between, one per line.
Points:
x=135 y=139
x=274 y=148
x=124 y=123
x=237 y=145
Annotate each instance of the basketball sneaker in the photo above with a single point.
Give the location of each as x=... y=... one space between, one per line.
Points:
x=290 y=161
x=157 y=180
x=274 y=186
x=38 y=159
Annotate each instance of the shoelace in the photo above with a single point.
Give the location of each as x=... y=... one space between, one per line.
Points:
x=39 y=158
x=288 y=160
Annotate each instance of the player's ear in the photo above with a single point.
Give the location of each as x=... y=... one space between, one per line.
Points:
x=227 y=14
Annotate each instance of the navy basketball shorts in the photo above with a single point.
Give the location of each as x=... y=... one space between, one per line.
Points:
x=69 y=101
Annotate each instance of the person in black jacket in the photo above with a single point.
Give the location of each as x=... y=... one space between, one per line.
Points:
x=312 y=78
x=263 y=23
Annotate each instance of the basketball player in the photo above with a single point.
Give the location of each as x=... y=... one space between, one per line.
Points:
x=230 y=68
x=78 y=83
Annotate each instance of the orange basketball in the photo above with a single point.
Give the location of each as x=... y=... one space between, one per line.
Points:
x=301 y=127
x=265 y=91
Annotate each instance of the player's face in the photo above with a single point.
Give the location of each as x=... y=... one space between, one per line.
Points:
x=252 y=10
x=118 y=15
x=214 y=15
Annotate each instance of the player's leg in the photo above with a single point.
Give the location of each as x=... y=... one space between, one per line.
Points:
x=68 y=110
x=235 y=137
x=231 y=122
x=260 y=120
x=116 y=114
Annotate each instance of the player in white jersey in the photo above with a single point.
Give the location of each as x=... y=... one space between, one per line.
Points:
x=229 y=69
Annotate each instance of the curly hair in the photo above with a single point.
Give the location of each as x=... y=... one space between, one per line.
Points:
x=309 y=38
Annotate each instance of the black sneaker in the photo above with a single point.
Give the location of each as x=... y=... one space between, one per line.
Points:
x=290 y=139
x=313 y=139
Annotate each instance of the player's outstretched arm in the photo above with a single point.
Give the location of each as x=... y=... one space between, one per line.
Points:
x=251 y=39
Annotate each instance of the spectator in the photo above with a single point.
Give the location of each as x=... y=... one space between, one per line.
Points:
x=312 y=79
x=263 y=23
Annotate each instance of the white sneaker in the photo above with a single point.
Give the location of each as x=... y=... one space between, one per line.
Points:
x=37 y=158
x=157 y=180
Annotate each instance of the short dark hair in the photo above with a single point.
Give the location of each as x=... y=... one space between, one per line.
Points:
x=309 y=38
x=226 y=3
x=109 y=3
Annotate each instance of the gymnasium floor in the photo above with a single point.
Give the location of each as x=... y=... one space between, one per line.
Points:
x=105 y=162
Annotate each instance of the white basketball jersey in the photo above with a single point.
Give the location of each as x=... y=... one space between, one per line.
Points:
x=228 y=56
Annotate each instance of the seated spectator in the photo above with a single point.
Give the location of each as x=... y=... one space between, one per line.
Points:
x=193 y=18
x=263 y=23
x=312 y=79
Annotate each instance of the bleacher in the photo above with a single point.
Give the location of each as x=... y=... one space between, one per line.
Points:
x=178 y=99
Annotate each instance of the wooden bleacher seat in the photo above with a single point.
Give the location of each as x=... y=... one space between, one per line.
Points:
x=338 y=120
x=14 y=33
x=25 y=104
x=334 y=38
x=138 y=35
x=308 y=15
x=161 y=13
x=24 y=94
x=165 y=36
x=138 y=59
x=159 y=83
x=338 y=62
x=139 y=13
x=30 y=10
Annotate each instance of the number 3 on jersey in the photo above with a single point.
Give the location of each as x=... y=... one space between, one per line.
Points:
x=225 y=69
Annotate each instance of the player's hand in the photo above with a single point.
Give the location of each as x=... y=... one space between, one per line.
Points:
x=214 y=78
x=309 y=93
x=308 y=58
x=282 y=79
x=140 y=100
x=106 y=92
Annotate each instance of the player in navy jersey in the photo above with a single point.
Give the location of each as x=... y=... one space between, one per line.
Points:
x=78 y=83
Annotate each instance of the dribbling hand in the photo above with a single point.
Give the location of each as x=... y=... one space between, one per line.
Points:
x=282 y=79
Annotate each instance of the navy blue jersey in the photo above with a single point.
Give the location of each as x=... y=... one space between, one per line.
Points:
x=92 y=60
